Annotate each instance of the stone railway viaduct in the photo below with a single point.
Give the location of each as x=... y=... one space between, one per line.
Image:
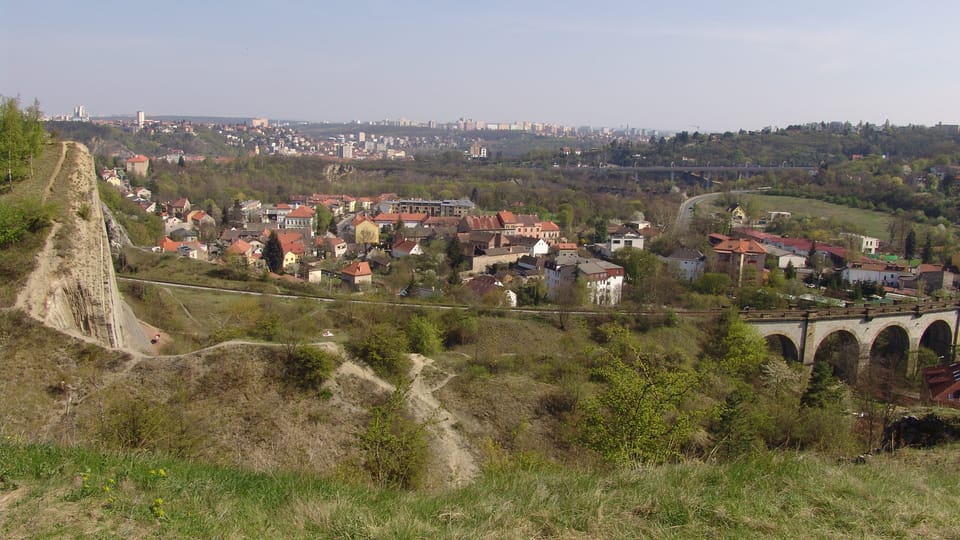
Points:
x=864 y=334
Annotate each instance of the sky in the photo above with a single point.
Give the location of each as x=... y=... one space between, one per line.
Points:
x=677 y=65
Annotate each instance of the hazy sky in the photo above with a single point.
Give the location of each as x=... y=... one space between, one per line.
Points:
x=670 y=64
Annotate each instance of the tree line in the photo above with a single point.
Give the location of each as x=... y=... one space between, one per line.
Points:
x=21 y=139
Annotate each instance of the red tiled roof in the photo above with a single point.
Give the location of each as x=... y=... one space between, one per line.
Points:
x=506 y=216
x=295 y=247
x=549 y=226
x=301 y=212
x=139 y=158
x=357 y=269
x=239 y=247
x=168 y=245
x=405 y=246
x=740 y=246
x=482 y=223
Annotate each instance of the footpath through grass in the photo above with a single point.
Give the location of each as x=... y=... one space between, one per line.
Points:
x=17 y=260
x=70 y=492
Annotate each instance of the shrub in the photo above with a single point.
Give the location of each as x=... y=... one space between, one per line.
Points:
x=394 y=446
x=383 y=347
x=308 y=366
x=424 y=336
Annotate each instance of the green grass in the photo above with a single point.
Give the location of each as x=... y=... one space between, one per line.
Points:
x=59 y=492
x=17 y=261
x=871 y=222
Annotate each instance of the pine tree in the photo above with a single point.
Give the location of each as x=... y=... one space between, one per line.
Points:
x=910 y=245
x=273 y=253
x=927 y=253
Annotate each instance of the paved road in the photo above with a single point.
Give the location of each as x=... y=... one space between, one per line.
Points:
x=686 y=207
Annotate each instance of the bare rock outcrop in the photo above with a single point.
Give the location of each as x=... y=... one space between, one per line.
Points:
x=74 y=288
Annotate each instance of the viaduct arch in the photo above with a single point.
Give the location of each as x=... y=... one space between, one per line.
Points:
x=799 y=334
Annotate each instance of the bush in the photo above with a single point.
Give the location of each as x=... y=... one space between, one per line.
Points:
x=308 y=366
x=424 y=336
x=17 y=220
x=138 y=424
x=383 y=347
x=394 y=446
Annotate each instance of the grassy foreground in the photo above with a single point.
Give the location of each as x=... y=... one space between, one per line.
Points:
x=48 y=492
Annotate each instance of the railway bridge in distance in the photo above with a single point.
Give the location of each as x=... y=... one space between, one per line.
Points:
x=853 y=338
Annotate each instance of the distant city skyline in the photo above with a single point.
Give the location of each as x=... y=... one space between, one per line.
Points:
x=694 y=65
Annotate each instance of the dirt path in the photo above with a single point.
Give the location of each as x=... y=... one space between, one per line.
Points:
x=450 y=446
x=56 y=172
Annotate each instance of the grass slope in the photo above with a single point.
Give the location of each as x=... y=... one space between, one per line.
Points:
x=48 y=492
x=873 y=223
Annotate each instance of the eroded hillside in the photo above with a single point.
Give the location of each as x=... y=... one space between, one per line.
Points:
x=73 y=287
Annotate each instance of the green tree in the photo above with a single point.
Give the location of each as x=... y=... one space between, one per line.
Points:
x=322 y=219
x=742 y=349
x=637 y=264
x=383 y=347
x=424 y=336
x=910 y=245
x=638 y=417
x=273 y=253
x=823 y=390
x=21 y=138
x=600 y=230
x=455 y=254
x=394 y=446
x=927 y=253
x=308 y=366
x=790 y=273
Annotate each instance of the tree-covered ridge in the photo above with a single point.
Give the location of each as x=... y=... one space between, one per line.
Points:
x=810 y=145
x=21 y=138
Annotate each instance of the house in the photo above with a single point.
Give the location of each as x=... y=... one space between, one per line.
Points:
x=688 y=263
x=357 y=275
x=943 y=383
x=785 y=258
x=623 y=238
x=536 y=246
x=300 y=217
x=335 y=246
x=738 y=216
x=365 y=230
x=867 y=245
x=888 y=275
x=738 y=255
x=201 y=219
x=603 y=280
x=184 y=233
x=405 y=248
x=929 y=278
x=276 y=213
x=142 y=193
x=293 y=252
x=549 y=231
x=179 y=208
x=240 y=248
x=138 y=165
x=489 y=289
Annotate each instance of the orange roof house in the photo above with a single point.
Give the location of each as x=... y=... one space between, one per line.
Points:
x=738 y=254
x=138 y=164
x=357 y=275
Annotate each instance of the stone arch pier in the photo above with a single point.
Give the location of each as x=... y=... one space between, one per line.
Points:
x=891 y=335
